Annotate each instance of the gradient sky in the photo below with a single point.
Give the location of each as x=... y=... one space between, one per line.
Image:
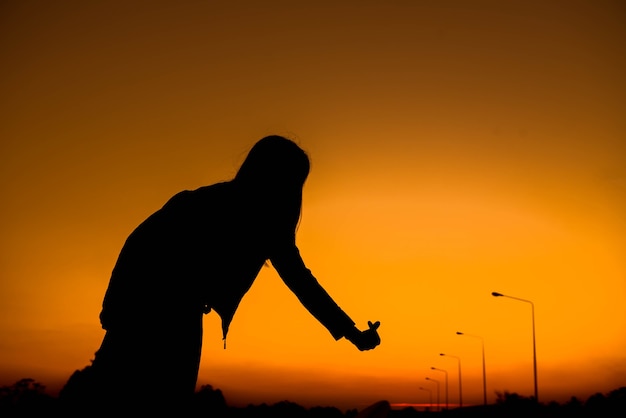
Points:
x=457 y=148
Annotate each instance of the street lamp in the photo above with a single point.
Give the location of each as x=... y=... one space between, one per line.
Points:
x=460 y=388
x=446 y=372
x=437 y=382
x=484 y=370
x=430 y=405
x=532 y=310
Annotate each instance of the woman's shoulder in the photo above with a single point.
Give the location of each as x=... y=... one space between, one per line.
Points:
x=205 y=195
x=215 y=187
x=217 y=192
x=209 y=191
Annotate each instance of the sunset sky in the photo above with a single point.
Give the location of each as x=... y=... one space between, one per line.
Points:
x=457 y=148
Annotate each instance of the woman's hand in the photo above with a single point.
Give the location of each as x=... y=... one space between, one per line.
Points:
x=365 y=340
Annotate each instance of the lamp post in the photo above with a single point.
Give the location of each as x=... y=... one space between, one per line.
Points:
x=484 y=370
x=460 y=387
x=446 y=372
x=437 y=382
x=430 y=392
x=532 y=311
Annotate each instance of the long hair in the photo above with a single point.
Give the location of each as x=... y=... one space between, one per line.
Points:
x=275 y=171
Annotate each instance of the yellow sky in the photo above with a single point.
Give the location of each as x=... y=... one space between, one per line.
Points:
x=458 y=148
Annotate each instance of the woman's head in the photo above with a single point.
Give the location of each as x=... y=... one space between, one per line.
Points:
x=273 y=175
x=274 y=163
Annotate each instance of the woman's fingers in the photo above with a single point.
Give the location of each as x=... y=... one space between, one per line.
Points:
x=373 y=326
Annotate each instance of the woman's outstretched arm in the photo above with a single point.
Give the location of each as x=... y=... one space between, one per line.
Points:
x=291 y=268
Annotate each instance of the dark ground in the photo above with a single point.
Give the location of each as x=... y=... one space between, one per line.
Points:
x=27 y=398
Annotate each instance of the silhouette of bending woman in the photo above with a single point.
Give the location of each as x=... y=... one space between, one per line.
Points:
x=200 y=252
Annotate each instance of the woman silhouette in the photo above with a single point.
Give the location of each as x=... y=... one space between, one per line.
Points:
x=200 y=252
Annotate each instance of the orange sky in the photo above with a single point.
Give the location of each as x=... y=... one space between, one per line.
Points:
x=458 y=148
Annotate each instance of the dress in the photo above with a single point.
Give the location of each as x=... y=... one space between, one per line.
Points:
x=200 y=252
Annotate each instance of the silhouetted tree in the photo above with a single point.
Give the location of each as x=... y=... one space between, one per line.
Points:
x=408 y=412
x=325 y=412
x=596 y=404
x=351 y=413
x=26 y=397
x=553 y=409
x=572 y=408
x=209 y=402
x=287 y=409
x=515 y=405
x=611 y=405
